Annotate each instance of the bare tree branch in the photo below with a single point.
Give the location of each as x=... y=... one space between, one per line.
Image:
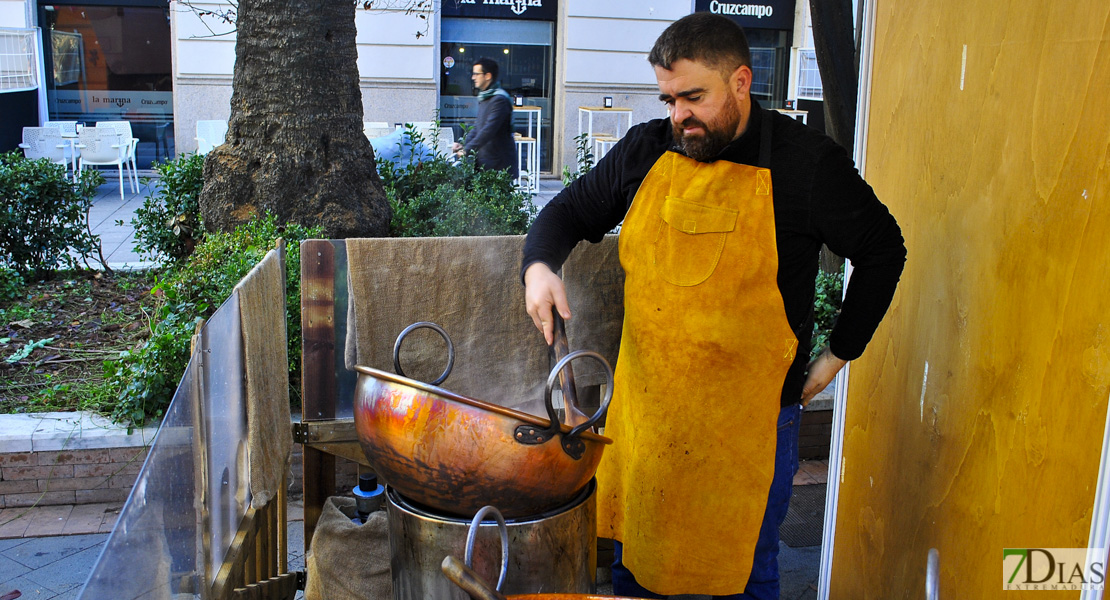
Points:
x=421 y=8
x=226 y=16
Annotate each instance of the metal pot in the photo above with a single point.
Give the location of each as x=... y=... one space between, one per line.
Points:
x=554 y=551
x=462 y=574
x=457 y=454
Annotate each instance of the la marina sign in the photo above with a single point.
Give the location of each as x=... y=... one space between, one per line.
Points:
x=536 y=10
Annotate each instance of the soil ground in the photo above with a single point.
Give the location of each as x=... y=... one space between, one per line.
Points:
x=55 y=338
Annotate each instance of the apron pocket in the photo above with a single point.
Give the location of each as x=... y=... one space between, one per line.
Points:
x=690 y=240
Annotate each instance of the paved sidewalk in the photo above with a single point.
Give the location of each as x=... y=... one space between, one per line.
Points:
x=117 y=240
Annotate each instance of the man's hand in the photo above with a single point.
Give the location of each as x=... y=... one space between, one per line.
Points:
x=457 y=148
x=542 y=290
x=821 y=372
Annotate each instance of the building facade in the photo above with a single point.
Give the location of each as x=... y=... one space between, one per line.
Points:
x=165 y=65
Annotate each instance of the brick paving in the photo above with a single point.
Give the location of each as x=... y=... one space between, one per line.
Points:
x=40 y=521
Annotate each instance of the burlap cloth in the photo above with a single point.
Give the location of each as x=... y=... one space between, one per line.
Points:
x=469 y=286
x=348 y=561
x=262 y=316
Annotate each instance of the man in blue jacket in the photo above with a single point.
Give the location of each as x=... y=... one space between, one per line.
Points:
x=492 y=137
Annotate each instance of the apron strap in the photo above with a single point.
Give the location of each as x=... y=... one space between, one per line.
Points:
x=765 y=141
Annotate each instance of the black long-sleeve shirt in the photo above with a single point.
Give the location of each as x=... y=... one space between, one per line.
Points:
x=819 y=198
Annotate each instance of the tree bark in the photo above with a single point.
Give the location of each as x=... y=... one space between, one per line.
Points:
x=294 y=145
x=838 y=61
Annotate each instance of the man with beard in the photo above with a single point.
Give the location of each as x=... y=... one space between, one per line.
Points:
x=724 y=209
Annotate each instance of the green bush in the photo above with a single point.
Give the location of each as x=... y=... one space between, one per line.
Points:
x=827 y=299
x=148 y=377
x=145 y=379
x=439 y=197
x=11 y=284
x=168 y=225
x=43 y=216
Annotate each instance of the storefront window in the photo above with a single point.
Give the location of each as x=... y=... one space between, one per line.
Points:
x=112 y=63
x=523 y=51
x=770 y=65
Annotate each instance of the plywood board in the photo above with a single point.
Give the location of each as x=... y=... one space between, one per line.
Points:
x=975 y=419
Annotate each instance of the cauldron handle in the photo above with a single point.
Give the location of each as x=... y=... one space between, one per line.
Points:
x=601 y=410
x=437 y=329
x=572 y=443
x=475 y=523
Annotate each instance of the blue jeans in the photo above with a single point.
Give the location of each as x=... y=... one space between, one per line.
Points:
x=763 y=584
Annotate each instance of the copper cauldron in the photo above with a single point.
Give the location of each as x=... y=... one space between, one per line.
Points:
x=457 y=454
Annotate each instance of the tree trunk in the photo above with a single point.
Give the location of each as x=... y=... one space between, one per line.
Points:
x=838 y=62
x=294 y=145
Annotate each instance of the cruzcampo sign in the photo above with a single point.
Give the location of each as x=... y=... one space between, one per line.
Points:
x=536 y=10
x=751 y=14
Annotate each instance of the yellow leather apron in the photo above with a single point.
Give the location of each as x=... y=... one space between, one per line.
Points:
x=704 y=352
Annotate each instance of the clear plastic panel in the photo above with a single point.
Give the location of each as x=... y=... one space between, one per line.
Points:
x=346 y=380
x=224 y=406
x=156 y=549
x=152 y=551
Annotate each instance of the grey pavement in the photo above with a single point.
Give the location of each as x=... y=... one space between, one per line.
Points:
x=48 y=567
x=117 y=240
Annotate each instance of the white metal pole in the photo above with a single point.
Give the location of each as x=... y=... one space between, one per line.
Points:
x=1099 y=539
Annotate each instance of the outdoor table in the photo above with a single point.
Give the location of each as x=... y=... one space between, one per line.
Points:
x=602 y=142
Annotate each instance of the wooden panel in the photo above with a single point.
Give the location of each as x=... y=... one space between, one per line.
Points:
x=975 y=419
x=319 y=385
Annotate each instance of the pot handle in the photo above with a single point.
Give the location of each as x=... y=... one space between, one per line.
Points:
x=572 y=443
x=437 y=329
x=475 y=523
x=470 y=582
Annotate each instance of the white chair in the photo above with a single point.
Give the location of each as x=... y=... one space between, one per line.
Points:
x=69 y=136
x=210 y=134
x=602 y=145
x=68 y=128
x=123 y=128
x=104 y=146
x=376 y=129
x=44 y=142
x=527 y=164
